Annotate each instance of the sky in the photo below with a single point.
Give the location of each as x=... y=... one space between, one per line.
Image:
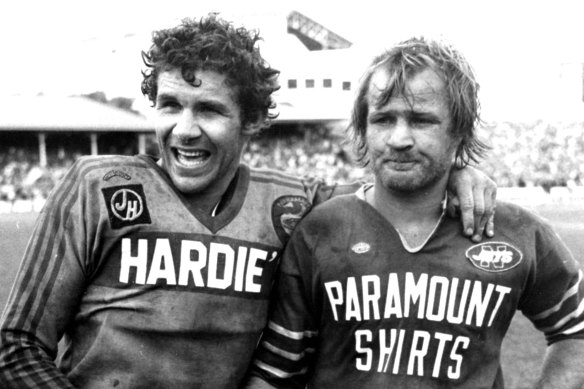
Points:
x=521 y=50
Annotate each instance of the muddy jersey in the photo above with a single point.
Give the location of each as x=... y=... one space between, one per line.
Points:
x=145 y=293
x=354 y=309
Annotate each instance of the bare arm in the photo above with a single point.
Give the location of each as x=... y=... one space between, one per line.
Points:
x=474 y=194
x=257 y=383
x=563 y=366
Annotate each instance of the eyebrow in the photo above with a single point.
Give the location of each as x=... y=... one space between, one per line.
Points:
x=411 y=112
x=200 y=101
x=218 y=105
x=165 y=96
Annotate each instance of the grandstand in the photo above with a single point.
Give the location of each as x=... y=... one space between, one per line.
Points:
x=549 y=169
x=41 y=136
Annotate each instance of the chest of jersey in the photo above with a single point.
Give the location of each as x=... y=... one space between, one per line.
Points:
x=432 y=314
x=191 y=289
x=150 y=244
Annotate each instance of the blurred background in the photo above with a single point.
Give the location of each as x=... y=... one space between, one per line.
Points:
x=71 y=84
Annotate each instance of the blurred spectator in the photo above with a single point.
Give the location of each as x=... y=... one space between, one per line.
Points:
x=523 y=154
x=535 y=154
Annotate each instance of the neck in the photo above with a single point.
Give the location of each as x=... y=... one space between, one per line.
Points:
x=204 y=202
x=212 y=201
x=415 y=206
x=413 y=214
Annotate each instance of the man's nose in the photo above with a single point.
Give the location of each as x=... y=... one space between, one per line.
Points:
x=188 y=125
x=400 y=136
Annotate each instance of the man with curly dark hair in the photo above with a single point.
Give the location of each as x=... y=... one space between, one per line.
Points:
x=155 y=273
x=215 y=45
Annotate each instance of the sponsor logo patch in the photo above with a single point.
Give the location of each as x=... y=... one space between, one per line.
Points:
x=286 y=213
x=116 y=173
x=126 y=206
x=494 y=256
x=190 y=262
x=361 y=248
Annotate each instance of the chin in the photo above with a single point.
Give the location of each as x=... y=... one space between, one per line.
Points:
x=400 y=186
x=191 y=185
x=405 y=184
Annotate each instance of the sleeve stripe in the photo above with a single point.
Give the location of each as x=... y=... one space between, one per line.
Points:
x=570 y=292
x=35 y=285
x=277 y=372
x=54 y=241
x=275 y=177
x=574 y=329
x=271 y=173
x=32 y=284
x=286 y=354
x=574 y=314
x=296 y=335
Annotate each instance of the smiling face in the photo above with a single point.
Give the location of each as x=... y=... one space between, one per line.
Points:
x=409 y=141
x=199 y=131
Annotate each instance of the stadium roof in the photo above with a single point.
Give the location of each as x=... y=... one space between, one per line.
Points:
x=81 y=114
x=49 y=113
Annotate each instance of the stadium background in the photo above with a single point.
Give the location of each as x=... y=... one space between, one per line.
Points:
x=534 y=113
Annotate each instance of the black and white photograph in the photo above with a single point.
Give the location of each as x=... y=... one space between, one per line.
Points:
x=299 y=194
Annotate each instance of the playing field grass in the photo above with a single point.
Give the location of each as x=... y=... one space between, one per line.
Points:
x=522 y=349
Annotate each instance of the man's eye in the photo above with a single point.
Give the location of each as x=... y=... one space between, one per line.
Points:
x=383 y=120
x=167 y=105
x=421 y=122
x=211 y=109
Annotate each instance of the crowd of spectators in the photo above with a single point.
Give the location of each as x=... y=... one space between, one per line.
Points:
x=522 y=154
x=317 y=152
x=535 y=154
x=23 y=178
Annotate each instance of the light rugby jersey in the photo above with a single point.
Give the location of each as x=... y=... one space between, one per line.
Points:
x=146 y=293
x=353 y=308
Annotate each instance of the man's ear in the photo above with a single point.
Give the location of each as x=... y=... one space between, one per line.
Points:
x=253 y=126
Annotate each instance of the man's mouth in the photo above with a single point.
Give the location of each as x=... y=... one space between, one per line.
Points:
x=191 y=158
x=400 y=164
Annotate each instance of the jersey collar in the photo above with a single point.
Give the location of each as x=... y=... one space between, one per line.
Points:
x=228 y=206
x=360 y=193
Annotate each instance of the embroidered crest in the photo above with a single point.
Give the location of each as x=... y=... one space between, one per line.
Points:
x=361 y=248
x=494 y=256
x=126 y=205
x=286 y=213
x=116 y=173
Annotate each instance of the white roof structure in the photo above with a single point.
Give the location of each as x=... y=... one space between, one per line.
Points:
x=52 y=113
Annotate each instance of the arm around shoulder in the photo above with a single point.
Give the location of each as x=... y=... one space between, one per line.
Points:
x=473 y=194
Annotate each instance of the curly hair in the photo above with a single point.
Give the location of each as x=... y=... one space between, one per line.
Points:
x=403 y=62
x=214 y=44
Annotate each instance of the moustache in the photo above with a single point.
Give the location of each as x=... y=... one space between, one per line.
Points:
x=401 y=157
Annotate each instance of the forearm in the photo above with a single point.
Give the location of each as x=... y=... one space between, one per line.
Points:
x=563 y=366
x=257 y=383
x=318 y=192
x=37 y=312
x=25 y=364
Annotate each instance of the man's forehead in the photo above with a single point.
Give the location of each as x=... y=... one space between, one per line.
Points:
x=422 y=86
x=208 y=82
x=174 y=77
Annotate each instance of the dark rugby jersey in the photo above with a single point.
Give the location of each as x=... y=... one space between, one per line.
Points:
x=353 y=308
